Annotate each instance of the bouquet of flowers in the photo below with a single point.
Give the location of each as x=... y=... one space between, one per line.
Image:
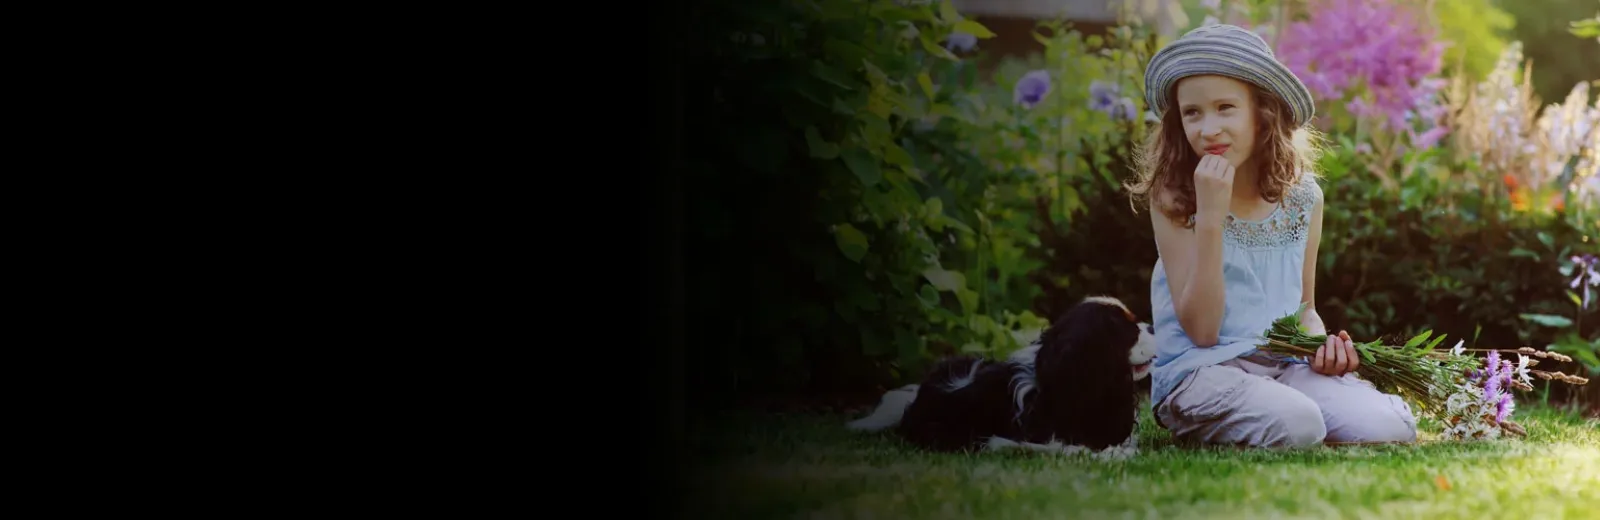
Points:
x=1470 y=396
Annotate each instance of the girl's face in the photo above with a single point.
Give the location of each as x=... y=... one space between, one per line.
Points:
x=1218 y=116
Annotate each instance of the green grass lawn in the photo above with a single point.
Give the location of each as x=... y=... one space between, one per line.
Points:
x=809 y=466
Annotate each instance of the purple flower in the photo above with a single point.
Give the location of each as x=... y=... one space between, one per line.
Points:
x=959 y=41
x=1491 y=375
x=1103 y=96
x=1430 y=138
x=1346 y=44
x=1031 y=89
x=1124 y=109
x=1585 y=268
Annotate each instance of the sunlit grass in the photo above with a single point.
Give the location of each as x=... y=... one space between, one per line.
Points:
x=805 y=466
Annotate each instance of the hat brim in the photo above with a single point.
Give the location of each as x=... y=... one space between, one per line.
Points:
x=1186 y=58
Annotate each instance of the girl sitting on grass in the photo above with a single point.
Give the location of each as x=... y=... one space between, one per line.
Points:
x=1228 y=176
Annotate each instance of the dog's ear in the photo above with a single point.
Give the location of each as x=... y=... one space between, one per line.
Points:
x=1086 y=339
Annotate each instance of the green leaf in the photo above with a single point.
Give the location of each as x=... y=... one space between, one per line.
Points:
x=945 y=280
x=1517 y=251
x=864 y=165
x=928 y=295
x=875 y=130
x=972 y=348
x=851 y=241
x=1418 y=339
x=946 y=220
x=1073 y=201
x=947 y=11
x=874 y=72
x=933 y=208
x=897 y=156
x=1435 y=342
x=1575 y=299
x=941 y=109
x=840 y=107
x=1587 y=28
x=1548 y=320
x=820 y=148
x=974 y=28
x=825 y=73
x=968 y=299
x=926 y=83
x=936 y=50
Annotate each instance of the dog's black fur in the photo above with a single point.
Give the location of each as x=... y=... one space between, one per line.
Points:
x=1073 y=386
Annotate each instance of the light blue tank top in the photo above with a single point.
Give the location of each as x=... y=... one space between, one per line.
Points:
x=1262 y=262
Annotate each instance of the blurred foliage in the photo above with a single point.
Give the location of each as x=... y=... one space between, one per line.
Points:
x=1587 y=28
x=841 y=230
x=1477 y=32
x=1545 y=29
x=861 y=201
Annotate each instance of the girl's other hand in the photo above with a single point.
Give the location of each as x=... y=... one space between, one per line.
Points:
x=1337 y=357
x=1213 y=189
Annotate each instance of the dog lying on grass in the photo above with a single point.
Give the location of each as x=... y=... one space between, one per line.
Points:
x=1073 y=389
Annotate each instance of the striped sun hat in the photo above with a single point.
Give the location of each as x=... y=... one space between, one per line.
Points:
x=1226 y=50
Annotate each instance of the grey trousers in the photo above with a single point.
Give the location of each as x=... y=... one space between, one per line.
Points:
x=1254 y=401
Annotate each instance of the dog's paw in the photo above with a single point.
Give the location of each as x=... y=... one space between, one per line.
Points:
x=889 y=411
x=1120 y=452
x=1001 y=444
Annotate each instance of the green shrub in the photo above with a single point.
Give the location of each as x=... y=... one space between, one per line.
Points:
x=832 y=244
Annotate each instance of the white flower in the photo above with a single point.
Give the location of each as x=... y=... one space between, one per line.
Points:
x=1459 y=348
x=1522 y=369
x=1458 y=403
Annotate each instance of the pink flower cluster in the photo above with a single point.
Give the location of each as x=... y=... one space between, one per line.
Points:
x=1344 y=45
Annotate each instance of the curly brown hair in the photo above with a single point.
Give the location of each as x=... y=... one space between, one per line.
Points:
x=1164 y=164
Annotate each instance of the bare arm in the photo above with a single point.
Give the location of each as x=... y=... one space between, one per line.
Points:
x=1308 y=273
x=1193 y=261
x=1338 y=355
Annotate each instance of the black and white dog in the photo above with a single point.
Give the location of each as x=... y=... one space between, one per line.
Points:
x=1072 y=387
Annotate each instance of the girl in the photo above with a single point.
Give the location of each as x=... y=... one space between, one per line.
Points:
x=1228 y=175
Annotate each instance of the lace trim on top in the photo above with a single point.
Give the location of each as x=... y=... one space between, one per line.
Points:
x=1289 y=223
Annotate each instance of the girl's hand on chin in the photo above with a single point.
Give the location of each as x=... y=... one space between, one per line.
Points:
x=1213 y=189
